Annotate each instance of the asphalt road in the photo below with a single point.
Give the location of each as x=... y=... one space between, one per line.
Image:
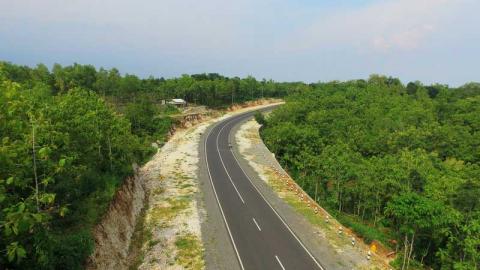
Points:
x=260 y=237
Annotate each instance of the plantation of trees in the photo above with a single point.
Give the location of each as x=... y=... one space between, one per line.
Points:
x=390 y=161
x=70 y=135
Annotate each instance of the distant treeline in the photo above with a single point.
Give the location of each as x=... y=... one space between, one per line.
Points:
x=210 y=89
x=392 y=162
x=70 y=135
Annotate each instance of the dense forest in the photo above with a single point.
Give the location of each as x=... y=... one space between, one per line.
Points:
x=393 y=162
x=69 y=137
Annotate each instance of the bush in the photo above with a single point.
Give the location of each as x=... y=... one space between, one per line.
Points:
x=368 y=233
x=70 y=251
x=260 y=118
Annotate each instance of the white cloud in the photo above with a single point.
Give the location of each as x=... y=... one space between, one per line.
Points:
x=393 y=25
x=408 y=39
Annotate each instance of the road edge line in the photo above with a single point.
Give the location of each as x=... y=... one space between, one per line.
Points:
x=216 y=196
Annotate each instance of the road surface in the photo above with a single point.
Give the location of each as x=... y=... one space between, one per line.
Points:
x=260 y=237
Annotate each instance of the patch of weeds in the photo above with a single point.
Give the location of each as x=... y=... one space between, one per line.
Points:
x=182 y=176
x=158 y=191
x=187 y=185
x=301 y=207
x=162 y=215
x=189 y=252
x=153 y=243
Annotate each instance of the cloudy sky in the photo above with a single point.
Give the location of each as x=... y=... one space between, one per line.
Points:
x=286 y=40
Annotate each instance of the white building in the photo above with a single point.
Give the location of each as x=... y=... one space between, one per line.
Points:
x=178 y=102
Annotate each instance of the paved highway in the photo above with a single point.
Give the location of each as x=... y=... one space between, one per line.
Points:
x=260 y=237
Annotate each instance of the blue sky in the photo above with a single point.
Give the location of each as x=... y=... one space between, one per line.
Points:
x=286 y=40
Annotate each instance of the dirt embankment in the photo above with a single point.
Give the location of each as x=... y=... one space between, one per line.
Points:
x=113 y=234
x=154 y=220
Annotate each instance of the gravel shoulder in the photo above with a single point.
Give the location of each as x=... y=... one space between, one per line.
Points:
x=172 y=220
x=333 y=249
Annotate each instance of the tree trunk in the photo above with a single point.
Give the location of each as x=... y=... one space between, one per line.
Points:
x=35 y=166
x=425 y=253
x=376 y=209
x=110 y=152
x=405 y=249
x=411 y=250
x=339 y=196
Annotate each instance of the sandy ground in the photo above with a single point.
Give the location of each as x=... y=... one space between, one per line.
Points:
x=171 y=230
x=337 y=251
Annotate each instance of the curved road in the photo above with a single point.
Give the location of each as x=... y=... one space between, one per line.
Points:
x=260 y=237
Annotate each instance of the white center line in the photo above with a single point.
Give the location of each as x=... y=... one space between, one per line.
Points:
x=254 y=221
x=223 y=164
x=279 y=262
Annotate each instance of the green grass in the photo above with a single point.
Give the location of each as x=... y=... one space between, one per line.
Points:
x=189 y=252
x=162 y=215
x=367 y=232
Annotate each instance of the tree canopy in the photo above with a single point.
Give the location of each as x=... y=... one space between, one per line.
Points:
x=402 y=159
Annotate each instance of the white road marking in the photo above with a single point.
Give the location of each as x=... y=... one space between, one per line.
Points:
x=223 y=164
x=278 y=215
x=256 y=224
x=218 y=202
x=220 y=205
x=279 y=262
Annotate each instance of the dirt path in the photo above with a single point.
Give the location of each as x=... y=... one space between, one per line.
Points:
x=322 y=234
